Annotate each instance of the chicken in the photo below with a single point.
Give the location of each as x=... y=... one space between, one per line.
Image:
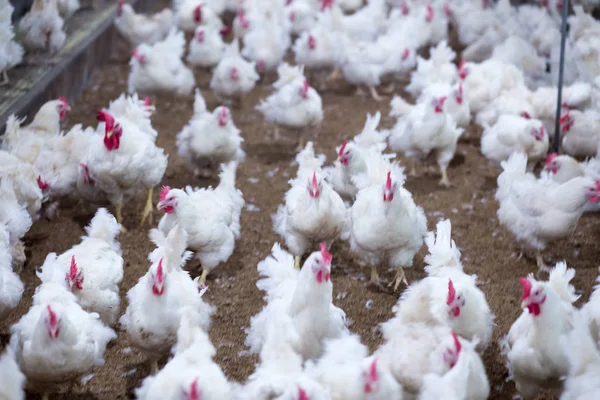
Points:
x=12 y=380
x=305 y=296
x=42 y=28
x=455 y=104
x=540 y=211
x=210 y=217
x=266 y=44
x=515 y=134
x=562 y=168
x=15 y=219
x=384 y=222
x=302 y=15
x=516 y=101
x=140 y=28
x=438 y=69
x=522 y=54
x=26 y=142
x=189 y=14
x=294 y=105
x=124 y=160
x=156 y=302
x=313 y=212
x=414 y=351
x=317 y=48
x=11 y=287
x=353 y=155
x=535 y=357
x=11 y=52
x=159 y=67
x=93 y=269
x=56 y=341
x=584 y=362
x=209 y=139
x=279 y=374
x=206 y=48
x=447 y=296
x=579 y=131
x=423 y=129
x=458 y=384
x=233 y=76
x=26 y=184
x=191 y=372
x=348 y=372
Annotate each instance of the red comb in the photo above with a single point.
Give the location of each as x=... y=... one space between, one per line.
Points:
x=43 y=185
x=388 y=182
x=53 y=319
x=461 y=64
x=443 y=99
x=159 y=271
x=198 y=13
x=147 y=101
x=597 y=185
x=327 y=257
x=164 y=192
x=451 y=292
x=373 y=371
x=405 y=9
x=223 y=112
x=405 y=54
x=302 y=394
x=525 y=115
x=457 y=344
x=314 y=180
x=105 y=117
x=429 y=16
x=527 y=285
x=341 y=152
x=305 y=87
x=550 y=157
x=73 y=269
x=64 y=101
x=194 y=394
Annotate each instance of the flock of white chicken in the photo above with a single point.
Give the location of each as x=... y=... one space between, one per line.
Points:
x=431 y=347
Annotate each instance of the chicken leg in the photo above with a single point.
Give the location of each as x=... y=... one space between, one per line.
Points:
x=445 y=181
x=147 y=212
x=203 y=277
x=119 y=216
x=400 y=277
x=374 y=94
x=5 y=80
x=335 y=74
x=297 y=262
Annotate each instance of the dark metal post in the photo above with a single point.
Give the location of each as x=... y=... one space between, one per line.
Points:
x=561 y=66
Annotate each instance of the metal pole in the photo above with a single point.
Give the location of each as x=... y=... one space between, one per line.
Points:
x=561 y=66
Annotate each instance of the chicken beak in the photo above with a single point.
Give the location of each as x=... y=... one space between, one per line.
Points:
x=109 y=134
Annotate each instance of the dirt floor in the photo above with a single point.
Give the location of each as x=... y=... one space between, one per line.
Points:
x=488 y=250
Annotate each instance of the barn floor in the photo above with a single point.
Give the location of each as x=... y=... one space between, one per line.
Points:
x=488 y=250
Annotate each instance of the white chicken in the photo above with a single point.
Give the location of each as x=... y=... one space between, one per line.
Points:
x=457 y=384
x=305 y=296
x=515 y=134
x=57 y=341
x=540 y=211
x=313 y=212
x=140 y=28
x=93 y=269
x=353 y=155
x=348 y=372
x=447 y=296
x=280 y=374
x=439 y=68
x=584 y=362
x=266 y=44
x=580 y=132
x=233 y=76
x=191 y=373
x=209 y=139
x=42 y=27
x=516 y=101
x=210 y=217
x=423 y=129
x=414 y=351
x=11 y=52
x=12 y=380
x=535 y=356
x=384 y=222
x=160 y=68
x=206 y=48
x=153 y=315
x=294 y=105
x=124 y=160
x=11 y=287
x=15 y=219
x=189 y=14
